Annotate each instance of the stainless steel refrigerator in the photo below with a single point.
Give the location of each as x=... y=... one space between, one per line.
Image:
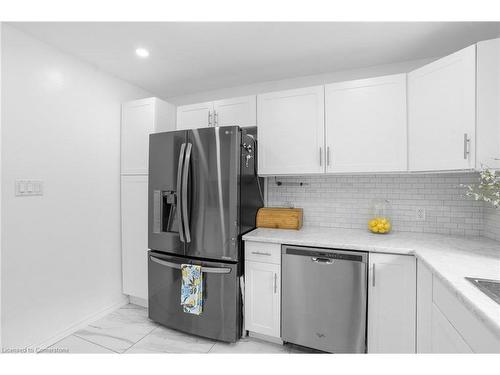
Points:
x=204 y=194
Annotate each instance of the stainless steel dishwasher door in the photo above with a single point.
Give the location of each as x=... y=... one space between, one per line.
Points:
x=324 y=298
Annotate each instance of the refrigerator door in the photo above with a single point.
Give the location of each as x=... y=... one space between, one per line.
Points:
x=166 y=157
x=220 y=318
x=211 y=182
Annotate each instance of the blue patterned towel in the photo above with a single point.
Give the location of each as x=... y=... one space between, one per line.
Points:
x=192 y=289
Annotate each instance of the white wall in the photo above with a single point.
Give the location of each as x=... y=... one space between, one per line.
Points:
x=304 y=81
x=61 y=258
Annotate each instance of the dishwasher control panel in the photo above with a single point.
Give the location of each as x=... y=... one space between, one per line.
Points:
x=326 y=254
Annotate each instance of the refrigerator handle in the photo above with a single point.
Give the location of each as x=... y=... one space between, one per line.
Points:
x=185 y=176
x=179 y=189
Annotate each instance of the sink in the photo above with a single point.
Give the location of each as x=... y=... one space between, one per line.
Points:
x=489 y=287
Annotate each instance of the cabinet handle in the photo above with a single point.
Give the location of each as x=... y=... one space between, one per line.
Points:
x=259 y=253
x=209 y=118
x=320 y=157
x=328 y=156
x=373 y=275
x=216 y=118
x=275 y=283
x=466 y=146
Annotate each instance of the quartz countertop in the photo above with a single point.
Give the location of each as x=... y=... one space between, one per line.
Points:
x=451 y=258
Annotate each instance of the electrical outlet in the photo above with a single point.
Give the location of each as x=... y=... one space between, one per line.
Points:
x=28 y=187
x=420 y=214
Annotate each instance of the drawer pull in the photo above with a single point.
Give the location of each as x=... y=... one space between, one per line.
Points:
x=260 y=253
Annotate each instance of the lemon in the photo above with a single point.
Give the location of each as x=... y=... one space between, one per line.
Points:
x=372 y=222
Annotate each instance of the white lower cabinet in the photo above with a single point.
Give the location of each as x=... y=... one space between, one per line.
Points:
x=444 y=324
x=262 y=297
x=391 y=303
x=444 y=337
x=424 y=309
x=263 y=289
x=134 y=203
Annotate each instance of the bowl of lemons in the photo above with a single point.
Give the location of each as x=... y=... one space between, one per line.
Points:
x=381 y=225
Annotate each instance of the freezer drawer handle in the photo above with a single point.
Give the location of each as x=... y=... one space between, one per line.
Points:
x=178 y=266
x=322 y=260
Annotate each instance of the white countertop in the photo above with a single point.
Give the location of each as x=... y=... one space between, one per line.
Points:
x=451 y=258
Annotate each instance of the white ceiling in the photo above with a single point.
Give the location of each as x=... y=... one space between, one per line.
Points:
x=194 y=57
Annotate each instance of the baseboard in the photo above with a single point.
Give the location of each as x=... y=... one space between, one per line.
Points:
x=124 y=300
x=260 y=336
x=138 y=301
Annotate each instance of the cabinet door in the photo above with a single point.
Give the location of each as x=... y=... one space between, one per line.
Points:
x=366 y=125
x=138 y=121
x=262 y=298
x=488 y=104
x=240 y=111
x=391 y=304
x=134 y=207
x=291 y=131
x=424 y=308
x=441 y=113
x=445 y=338
x=195 y=116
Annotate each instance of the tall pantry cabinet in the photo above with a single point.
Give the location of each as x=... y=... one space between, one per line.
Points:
x=140 y=118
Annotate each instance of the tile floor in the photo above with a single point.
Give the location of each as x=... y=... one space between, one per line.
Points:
x=128 y=330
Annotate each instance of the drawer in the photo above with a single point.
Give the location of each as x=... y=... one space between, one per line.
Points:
x=263 y=252
x=474 y=332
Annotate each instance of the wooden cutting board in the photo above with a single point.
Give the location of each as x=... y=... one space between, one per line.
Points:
x=280 y=218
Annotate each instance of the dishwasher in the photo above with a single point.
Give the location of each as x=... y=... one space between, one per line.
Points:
x=324 y=298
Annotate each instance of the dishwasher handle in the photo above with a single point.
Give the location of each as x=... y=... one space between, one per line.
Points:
x=322 y=260
x=320 y=255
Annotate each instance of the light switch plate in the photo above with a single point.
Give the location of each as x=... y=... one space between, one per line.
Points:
x=25 y=188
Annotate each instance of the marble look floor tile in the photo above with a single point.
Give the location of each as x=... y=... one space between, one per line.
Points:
x=119 y=330
x=74 y=344
x=250 y=346
x=295 y=349
x=165 y=340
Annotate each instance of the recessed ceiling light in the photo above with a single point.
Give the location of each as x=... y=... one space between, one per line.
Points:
x=142 y=52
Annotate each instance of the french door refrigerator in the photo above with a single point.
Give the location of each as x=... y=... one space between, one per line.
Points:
x=204 y=194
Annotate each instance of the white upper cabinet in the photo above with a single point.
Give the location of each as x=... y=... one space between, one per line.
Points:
x=195 y=116
x=140 y=118
x=366 y=125
x=291 y=131
x=239 y=111
x=391 y=303
x=441 y=113
x=488 y=104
